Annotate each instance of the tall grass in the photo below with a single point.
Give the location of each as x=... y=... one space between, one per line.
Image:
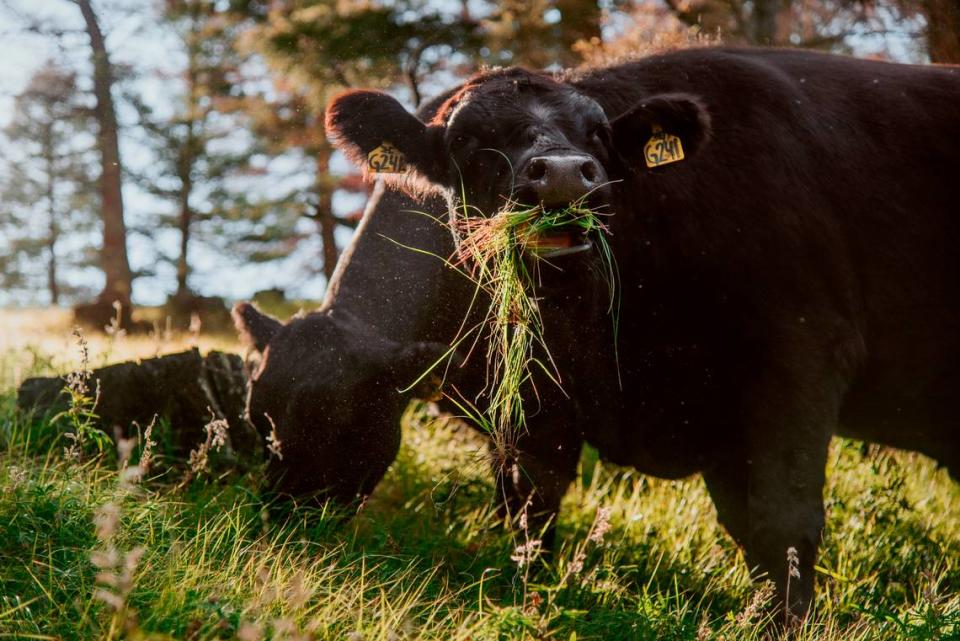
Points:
x=503 y=255
x=86 y=555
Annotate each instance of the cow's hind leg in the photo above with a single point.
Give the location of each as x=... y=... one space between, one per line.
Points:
x=785 y=518
x=727 y=485
x=791 y=412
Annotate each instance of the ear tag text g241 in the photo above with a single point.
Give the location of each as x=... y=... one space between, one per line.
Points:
x=662 y=148
x=386 y=159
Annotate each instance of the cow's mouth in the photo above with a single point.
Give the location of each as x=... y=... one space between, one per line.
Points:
x=558 y=243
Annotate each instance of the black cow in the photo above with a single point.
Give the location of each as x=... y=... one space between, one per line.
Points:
x=786 y=226
x=330 y=382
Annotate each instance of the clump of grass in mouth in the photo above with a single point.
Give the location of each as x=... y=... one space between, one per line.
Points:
x=502 y=254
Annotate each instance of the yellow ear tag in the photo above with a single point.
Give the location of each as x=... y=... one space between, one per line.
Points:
x=662 y=148
x=386 y=159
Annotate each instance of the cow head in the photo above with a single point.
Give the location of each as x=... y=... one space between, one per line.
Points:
x=512 y=135
x=329 y=387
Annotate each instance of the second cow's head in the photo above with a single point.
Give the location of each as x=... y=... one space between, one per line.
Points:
x=511 y=135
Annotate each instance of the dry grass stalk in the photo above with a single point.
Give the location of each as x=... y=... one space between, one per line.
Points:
x=146 y=454
x=81 y=413
x=273 y=441
x=793 y=572
x=116 y=571
x=196 y=324
x=758 y=603
x=114 y=329
x=250 y=631
x=598 y=530
x=198 y=462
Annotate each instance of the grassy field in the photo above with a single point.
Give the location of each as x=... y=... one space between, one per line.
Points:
x=86 y=552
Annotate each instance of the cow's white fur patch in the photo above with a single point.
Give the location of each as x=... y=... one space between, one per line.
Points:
x=541 y=112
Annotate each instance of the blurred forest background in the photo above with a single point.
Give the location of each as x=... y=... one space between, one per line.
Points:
x=163 y=151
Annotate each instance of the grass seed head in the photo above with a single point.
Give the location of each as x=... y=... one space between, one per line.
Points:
x=758 y=602
x=146 y=454
x=250 y=631
x=601 y=525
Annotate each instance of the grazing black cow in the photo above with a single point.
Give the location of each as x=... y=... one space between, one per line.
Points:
x=329 y=382
x=786 y=226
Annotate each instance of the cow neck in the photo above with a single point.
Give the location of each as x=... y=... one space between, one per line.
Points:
x=392 y=276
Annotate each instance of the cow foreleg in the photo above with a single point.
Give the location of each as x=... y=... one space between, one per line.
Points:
x=532 y=478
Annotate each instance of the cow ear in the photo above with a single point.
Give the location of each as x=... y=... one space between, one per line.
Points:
x=255 y=328
x=661 y=130
x=383 y=138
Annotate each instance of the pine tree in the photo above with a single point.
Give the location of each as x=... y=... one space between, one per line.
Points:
x=48 y=200
x=315 y=48
x=197 y=146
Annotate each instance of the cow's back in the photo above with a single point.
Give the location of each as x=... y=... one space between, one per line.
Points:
x=888 y=146
x=902 y=225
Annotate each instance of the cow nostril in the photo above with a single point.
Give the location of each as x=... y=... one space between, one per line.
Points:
x=589 y=170
x=537 y=169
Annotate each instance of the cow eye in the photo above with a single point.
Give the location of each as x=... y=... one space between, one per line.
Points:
x=465 y=141
x=597 y=133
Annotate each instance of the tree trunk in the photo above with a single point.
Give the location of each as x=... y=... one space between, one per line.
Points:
x=185 y=171
x=52 y=268
x=113 y=255
x=324 y=214
x=764 y=22
x=189 y=150
x=183 y=267
x=943 y=30
x=52 y=227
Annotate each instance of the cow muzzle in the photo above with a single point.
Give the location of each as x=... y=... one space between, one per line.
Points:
x=557 y=181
